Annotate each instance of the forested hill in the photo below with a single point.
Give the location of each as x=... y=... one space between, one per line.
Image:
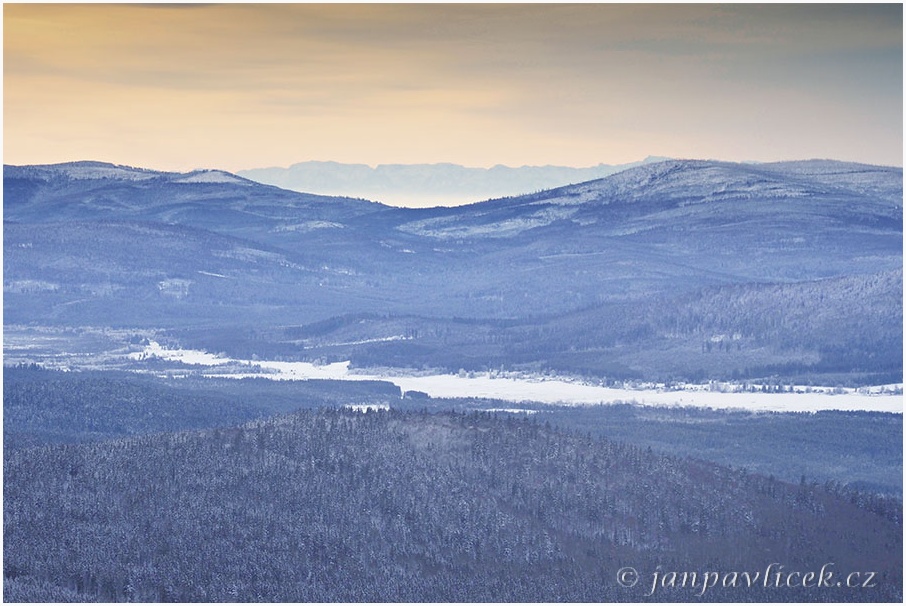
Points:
x=91 y=244
x=336 y=506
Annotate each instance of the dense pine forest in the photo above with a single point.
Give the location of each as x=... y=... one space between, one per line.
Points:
x=337 y=505
x=861 y=450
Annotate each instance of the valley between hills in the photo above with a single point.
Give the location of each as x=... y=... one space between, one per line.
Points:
x=685 y=363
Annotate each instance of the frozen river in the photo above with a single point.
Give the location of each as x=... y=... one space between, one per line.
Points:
x=542 y=389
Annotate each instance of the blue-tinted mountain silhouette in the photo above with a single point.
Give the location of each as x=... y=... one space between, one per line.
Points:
x=630 y=274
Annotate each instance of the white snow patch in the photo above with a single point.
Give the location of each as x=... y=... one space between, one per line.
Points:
x=30 y=286
x=210 y=176
x=174 y=287
x=451 y=227
x=376 y=340
x=307 y=226
x=268 y=369
x=242 y=253
x=558 y=391
x=509 y=410
x=367 y=407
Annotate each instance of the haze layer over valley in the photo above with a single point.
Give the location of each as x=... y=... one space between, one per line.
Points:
x=424 y=185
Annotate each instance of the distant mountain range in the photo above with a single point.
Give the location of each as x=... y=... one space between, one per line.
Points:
x=791 y=269
x=425 y=185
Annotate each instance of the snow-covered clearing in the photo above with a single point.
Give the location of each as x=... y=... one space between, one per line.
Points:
x=539 y=389
x=210 y=176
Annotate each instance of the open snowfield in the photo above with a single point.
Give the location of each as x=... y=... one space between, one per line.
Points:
x=542 y=389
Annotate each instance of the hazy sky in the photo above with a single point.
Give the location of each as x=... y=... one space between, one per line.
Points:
x=241 y=86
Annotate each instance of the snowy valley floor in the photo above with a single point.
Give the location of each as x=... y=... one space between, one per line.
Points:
x=515 y=387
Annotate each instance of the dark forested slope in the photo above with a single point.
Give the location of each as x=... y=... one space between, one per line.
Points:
x=845 y=330
x=345 y=506
x=45 y=407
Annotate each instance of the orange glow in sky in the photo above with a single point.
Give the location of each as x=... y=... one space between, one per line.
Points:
x=237 y=86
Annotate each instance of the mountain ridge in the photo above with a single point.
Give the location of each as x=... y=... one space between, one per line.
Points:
x=650 y=233
x=425 y=185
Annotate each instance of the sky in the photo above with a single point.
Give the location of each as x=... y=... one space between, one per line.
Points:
x=239 y=86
